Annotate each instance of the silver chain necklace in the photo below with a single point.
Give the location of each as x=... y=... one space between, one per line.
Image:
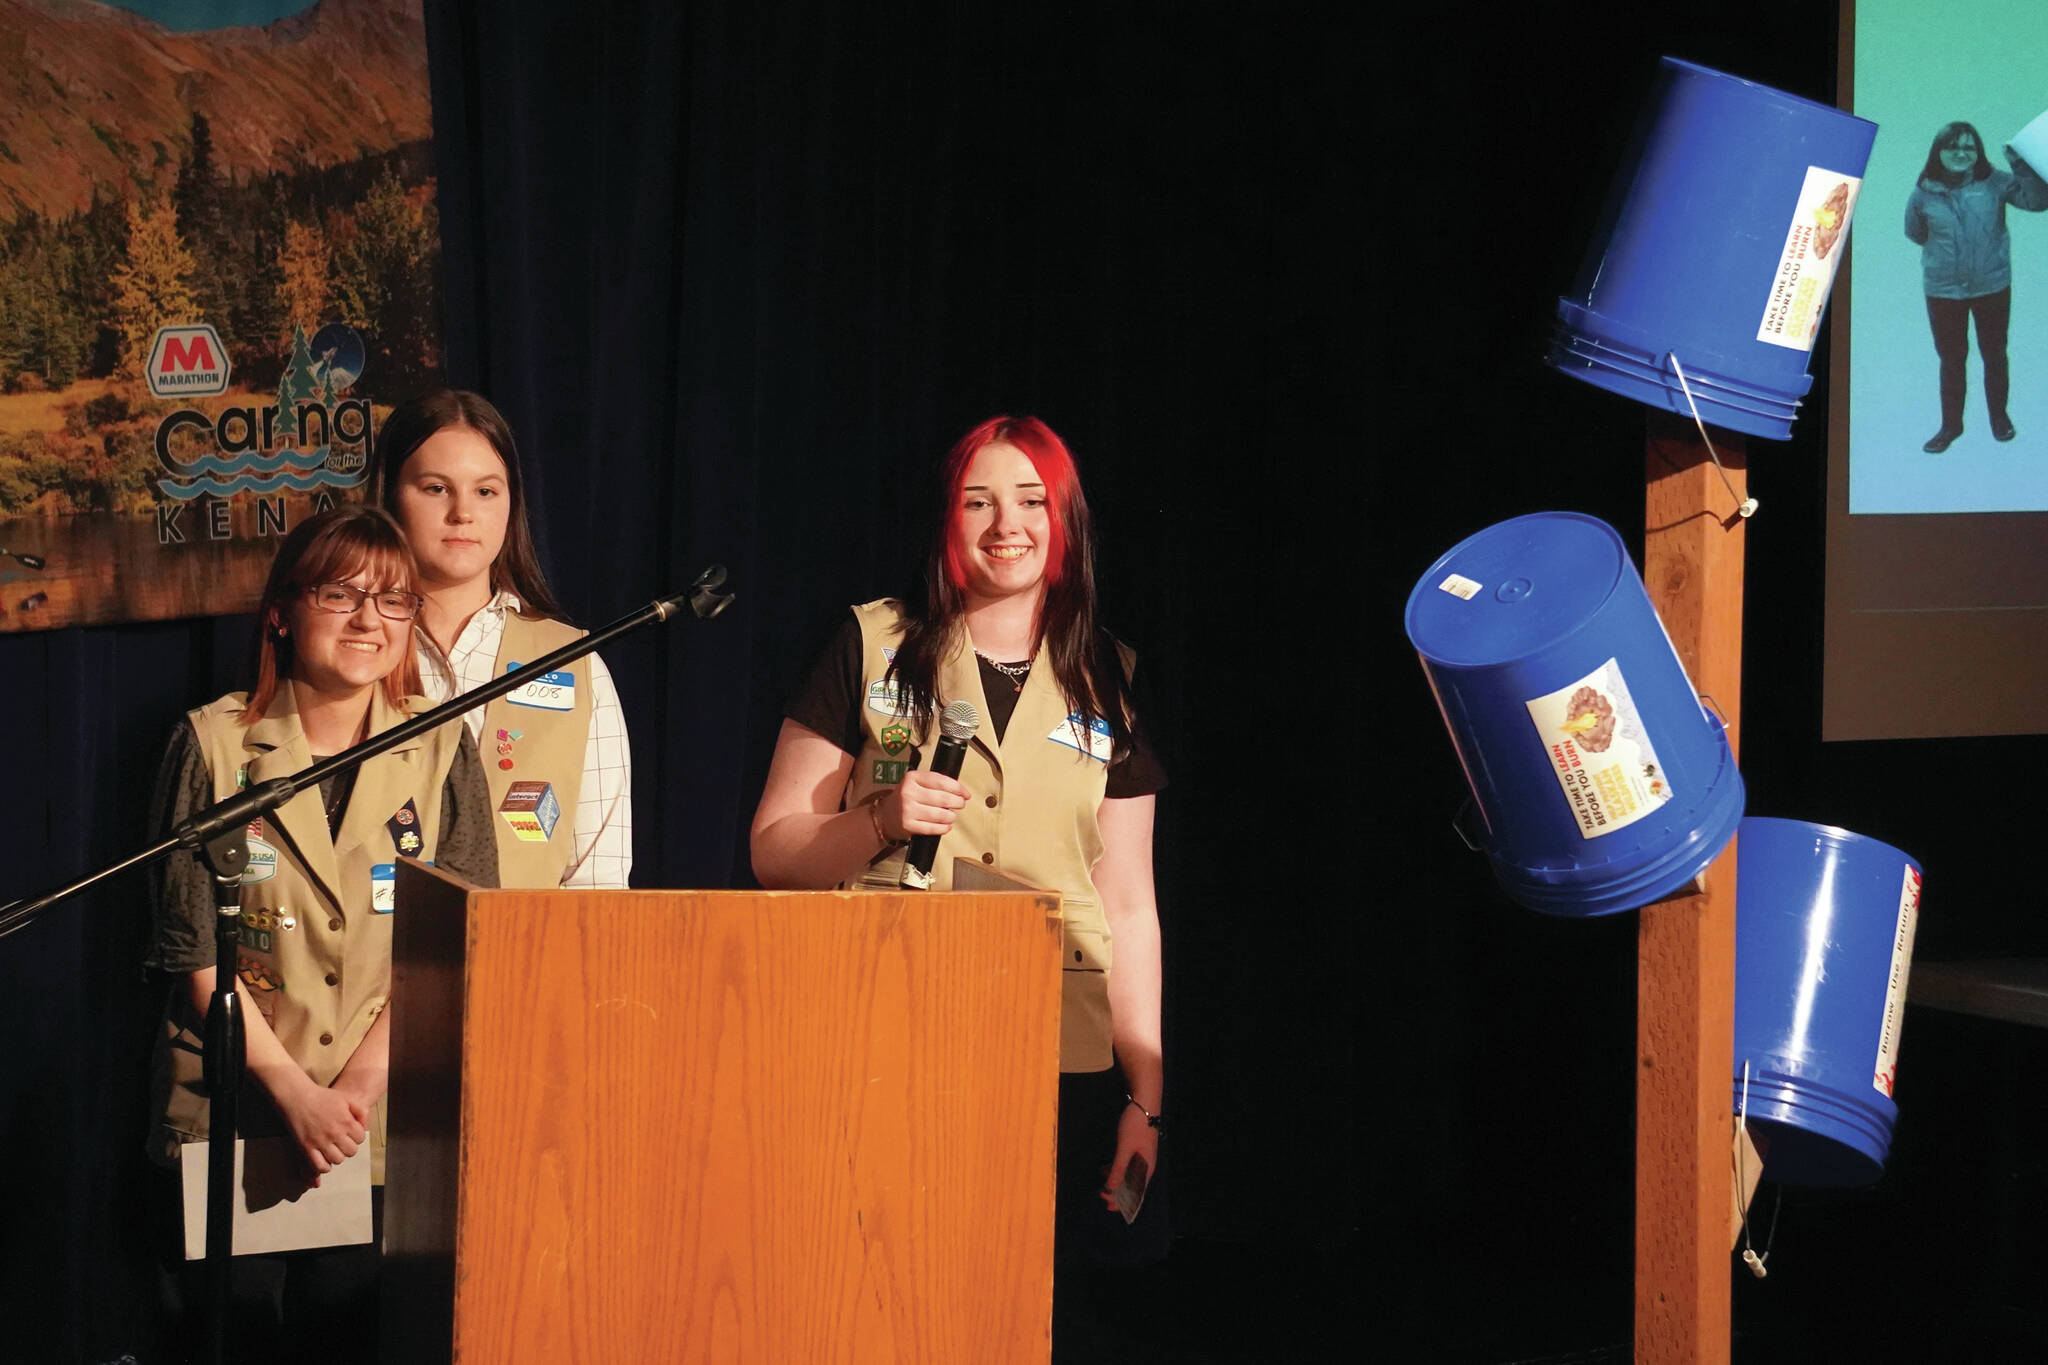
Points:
x=1016 y=673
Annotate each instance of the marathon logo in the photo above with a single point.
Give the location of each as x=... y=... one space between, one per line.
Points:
x=187 y=359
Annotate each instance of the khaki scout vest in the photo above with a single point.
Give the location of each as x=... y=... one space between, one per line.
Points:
x=544 y=742
x=315 y=951
x=1031 y=817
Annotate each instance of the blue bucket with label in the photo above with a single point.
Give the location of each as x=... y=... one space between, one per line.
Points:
x=1824 y=923
x=1599 y=782
x=1717 y=251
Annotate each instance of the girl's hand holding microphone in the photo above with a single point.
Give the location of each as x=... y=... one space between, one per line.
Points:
x=924 y=802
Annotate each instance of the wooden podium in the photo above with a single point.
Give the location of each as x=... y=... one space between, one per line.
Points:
x=721 y=1126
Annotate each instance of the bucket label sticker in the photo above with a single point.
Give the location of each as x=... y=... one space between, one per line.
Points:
x=1895 y=984
x=1806 y=268
x=1457 y=585
x=1603 y=759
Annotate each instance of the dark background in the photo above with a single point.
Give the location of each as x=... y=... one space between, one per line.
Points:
x=1281 y=276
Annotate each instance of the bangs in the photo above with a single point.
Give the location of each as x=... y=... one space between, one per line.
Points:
x=352 y=549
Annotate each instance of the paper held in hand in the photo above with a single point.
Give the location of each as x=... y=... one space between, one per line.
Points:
x=275 y=1209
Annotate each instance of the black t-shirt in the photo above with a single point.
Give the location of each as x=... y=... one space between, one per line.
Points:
x=828 y=701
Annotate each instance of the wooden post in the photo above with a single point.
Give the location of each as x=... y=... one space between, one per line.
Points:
x=1685 y=965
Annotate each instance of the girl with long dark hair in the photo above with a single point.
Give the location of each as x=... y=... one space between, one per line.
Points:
x=1058 y=777
x=1957 y=216
x=448 y=469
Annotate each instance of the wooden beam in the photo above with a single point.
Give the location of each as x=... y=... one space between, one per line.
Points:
x=1685 y=964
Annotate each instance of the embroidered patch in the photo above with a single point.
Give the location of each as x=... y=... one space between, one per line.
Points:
x=888 y=773
x=1090 y=737
x=886 y=697
x=895 y=738
x=262 y=980
x=550 y=691
x=262 y=861
x=404 y=828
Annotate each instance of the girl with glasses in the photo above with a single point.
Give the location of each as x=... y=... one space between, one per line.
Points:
x=1956 y=216
x=334 y=665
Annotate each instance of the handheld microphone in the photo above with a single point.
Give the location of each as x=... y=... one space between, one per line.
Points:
x=957 y=724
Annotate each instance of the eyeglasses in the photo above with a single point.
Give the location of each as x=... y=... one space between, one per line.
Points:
x=343 y=599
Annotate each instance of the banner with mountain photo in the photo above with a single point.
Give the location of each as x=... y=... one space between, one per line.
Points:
x=218 y=254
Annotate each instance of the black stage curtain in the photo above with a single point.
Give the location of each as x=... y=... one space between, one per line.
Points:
x=738 y=274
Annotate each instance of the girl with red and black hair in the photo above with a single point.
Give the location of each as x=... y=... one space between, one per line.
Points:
x=1058 y=777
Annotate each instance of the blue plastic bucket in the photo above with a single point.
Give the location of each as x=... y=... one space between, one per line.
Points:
x=1601 y=782
x=1824 y=925
x=1718 y=247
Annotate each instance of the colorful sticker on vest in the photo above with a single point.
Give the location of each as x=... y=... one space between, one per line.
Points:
x=1090 y=737
x=1603 y=759
x=1895 y=984
x=887 y=698
x=532 y=811
x=262 y=862
x=384 y=888
x=895 y=738
x=889 y=773
x=550 y=692
x=404 y=826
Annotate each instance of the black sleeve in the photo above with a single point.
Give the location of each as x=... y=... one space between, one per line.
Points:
x=468 y=845
x=828 y=699
x=1140 y=771
x=181 y=889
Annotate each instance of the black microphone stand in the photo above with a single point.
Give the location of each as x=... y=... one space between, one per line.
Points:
x=218 y=835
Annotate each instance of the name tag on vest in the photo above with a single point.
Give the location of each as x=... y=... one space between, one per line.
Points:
x=1090 y=737
x=550 y=691
x=383 y=887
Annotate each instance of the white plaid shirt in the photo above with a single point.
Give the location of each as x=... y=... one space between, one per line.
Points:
x=603 y=853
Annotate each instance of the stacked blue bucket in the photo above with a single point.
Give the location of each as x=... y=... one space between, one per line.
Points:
x=1600 y=781
x=1824 y=928
x=1718 y=247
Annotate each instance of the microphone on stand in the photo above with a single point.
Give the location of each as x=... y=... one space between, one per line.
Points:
x=957 y=724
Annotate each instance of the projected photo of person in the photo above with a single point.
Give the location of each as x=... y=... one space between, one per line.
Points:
x=1956 y=215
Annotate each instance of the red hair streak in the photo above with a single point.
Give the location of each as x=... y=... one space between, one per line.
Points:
x=1048 y=455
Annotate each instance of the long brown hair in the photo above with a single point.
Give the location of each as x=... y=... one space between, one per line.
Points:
x=329 y=547
x=1085 y=661
x=517 y=566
